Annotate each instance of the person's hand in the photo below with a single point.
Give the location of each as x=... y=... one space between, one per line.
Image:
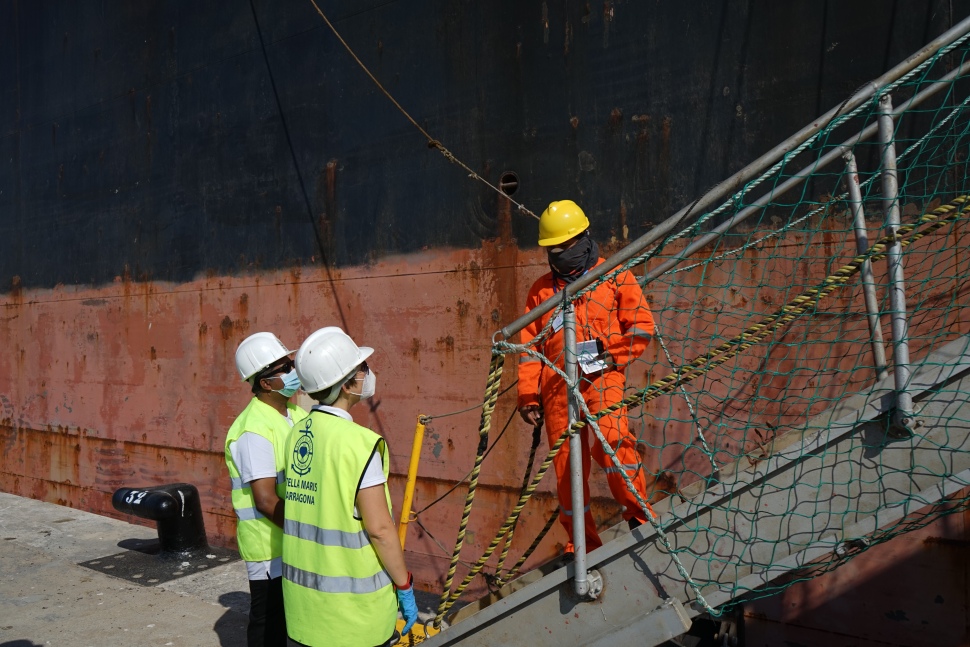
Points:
x=407 y=605
x=532 y=414
x=607 y=359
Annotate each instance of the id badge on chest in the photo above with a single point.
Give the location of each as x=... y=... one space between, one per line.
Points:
x=557 y=322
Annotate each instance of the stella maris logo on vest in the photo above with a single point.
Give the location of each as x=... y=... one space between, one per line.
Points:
x=301 y=465
x=303 y=451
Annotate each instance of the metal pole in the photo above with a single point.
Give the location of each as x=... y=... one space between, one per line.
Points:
x=868 y=283
x=903 y=416
x=752 y=170
x=797 y=178
x=576 y=450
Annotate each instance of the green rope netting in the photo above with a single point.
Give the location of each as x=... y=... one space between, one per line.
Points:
x=733 y=413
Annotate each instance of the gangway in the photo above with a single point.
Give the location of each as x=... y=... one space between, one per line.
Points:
x=877 y=461
x=845 y=461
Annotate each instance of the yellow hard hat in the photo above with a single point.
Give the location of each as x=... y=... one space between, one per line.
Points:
x=561 y=221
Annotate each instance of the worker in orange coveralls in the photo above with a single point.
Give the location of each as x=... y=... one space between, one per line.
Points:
x=616 y=313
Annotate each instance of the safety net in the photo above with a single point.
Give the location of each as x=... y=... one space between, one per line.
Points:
x=761 y=328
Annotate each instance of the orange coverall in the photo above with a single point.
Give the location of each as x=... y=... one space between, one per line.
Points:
x=617 y=313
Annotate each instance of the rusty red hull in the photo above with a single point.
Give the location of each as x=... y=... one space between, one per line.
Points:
x=133 y=384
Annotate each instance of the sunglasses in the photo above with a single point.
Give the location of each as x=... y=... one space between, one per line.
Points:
x=364 y=367
x=561 y=247
x=278 y=370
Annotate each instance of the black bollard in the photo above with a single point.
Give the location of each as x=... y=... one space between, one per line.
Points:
x=176 y=508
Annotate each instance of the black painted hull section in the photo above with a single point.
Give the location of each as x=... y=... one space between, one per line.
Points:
x=164 y=140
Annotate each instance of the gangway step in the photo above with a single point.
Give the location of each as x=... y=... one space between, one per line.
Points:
x=819 y=492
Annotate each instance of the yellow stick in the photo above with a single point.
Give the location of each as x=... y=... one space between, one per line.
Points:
x=402 y=529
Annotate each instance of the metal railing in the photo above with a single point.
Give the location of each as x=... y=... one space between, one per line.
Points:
x=903 y=417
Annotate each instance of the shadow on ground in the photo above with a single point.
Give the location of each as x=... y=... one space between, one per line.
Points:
x=231 y=627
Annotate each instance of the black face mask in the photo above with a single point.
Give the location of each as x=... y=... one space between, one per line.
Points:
x=572 y=263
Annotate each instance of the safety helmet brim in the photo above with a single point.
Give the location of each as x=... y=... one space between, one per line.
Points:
x=257 y=352
x=556 y=240
x=561 y=221
x=327 y=357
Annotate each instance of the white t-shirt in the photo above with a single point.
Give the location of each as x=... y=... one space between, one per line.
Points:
x=255 y=459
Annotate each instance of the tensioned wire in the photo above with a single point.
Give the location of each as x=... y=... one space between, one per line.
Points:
x=736 y=200
x=432 y=142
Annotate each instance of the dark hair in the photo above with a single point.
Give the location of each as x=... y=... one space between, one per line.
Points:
x=256 y=388
x=329 y=395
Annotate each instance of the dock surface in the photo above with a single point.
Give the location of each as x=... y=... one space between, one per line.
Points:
x=46 y=598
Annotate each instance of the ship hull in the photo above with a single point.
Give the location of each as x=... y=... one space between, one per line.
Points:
x=176 y=179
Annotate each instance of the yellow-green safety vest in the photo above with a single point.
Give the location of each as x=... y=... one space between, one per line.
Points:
x=258 y=537
x=335 y=589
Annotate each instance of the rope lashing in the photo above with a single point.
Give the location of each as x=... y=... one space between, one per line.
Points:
x=488 y=407
x=447 y=600
x=536 y=437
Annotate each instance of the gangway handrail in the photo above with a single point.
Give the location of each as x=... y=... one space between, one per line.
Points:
x=737 y=180
x=835 y=153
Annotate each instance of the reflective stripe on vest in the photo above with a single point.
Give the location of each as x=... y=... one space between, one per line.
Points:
x=248 y=514
x=326 y=537
x=330 y=584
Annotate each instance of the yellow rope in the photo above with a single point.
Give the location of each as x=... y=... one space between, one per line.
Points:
x=488 y=406
x=448 y=599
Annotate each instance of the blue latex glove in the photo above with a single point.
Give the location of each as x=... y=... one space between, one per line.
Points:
x=407 y=605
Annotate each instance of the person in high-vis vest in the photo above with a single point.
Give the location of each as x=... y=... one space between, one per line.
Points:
x=344 y=575
x=256 y=462
x=616 y=321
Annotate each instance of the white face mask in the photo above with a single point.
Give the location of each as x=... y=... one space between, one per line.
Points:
x=369 y=387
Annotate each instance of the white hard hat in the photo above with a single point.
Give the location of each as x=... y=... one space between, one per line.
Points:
x=258 y=351
x=326 y=357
